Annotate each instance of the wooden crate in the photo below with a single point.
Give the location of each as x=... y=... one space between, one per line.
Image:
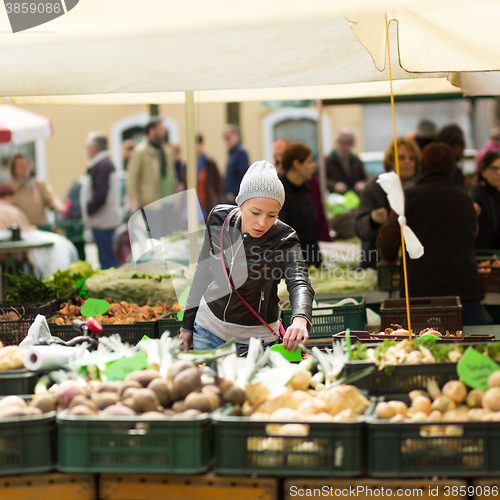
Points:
x=49 y=487
x=350 y=488
x=480 y=485
x=203 y=487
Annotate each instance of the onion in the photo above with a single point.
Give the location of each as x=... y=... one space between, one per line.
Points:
x=494 y=379
x=491 y=399
x=455 y=390
x=421 y=404
x=385 y=411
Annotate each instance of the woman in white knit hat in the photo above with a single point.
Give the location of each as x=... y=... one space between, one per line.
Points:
x=236 y=296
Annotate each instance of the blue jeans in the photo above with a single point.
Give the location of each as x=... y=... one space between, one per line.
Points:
x=205 y=340
x=104 y=241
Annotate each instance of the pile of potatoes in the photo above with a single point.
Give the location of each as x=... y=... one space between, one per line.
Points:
x=186 y=392
x=15 y=406
x=451 y=404
x=298 y=401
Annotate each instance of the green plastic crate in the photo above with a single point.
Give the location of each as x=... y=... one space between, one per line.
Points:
x=128 y=333
x=388 y=276
x=28 y=444
x=133 y=444
x=46 y=308
x=15 y=382
x=401 y=378
x=171 y=324
x=468 y=449
x=246 y=446
x=329 y=320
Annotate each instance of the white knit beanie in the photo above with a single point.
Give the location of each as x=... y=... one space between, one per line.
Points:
x=261 y=181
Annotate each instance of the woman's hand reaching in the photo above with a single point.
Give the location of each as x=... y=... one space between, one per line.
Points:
x=295 y=334
x=186 y=339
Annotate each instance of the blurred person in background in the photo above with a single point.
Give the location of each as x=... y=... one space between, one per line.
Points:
x=344 y=170
x=374 y=206
x=442 y=216
x=128 y=146
x=492 y=143
x=237 y=163
x=426 y=132
x=179 y=166
x=150 y=173
x=486 y=195
x=279 y=146
x=100 y=198
x=33 y=195
x=10 y=215
x=453 y=136
x=298 y=210
x=209 y=187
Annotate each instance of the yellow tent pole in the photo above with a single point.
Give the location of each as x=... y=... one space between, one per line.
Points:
x=396 y=159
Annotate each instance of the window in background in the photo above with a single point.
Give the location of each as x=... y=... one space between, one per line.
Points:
x=301 y=130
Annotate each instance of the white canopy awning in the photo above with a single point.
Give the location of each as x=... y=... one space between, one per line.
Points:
x=19 y=126
x=123 y=46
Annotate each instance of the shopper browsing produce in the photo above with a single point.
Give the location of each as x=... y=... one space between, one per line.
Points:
x=444 y=220
x=237 y=296
x=486 y=195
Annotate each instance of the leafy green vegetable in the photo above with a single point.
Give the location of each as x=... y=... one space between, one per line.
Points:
x=27 y=289
x=65 y=280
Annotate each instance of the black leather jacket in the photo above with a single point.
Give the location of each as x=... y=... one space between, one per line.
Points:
x=255 y=266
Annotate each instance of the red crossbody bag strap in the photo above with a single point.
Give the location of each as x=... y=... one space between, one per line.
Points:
x=282 y=330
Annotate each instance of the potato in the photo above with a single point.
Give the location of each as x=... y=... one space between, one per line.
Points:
x=198 y=401
x=104 y=399
x=45 y=403
x=234 y=395
x=144 y=400
x=127 y=384
x=187 y=381
x=9 y=401
x=144 y=377
x=162 y=391
x=82 y=410
x=117 y=410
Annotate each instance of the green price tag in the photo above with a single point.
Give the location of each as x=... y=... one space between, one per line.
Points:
x=474 y=369
x=429 y=336
x=82 y=290
x=118 y=370
x=293 y=356
x=182 y=301
x=93 y=307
